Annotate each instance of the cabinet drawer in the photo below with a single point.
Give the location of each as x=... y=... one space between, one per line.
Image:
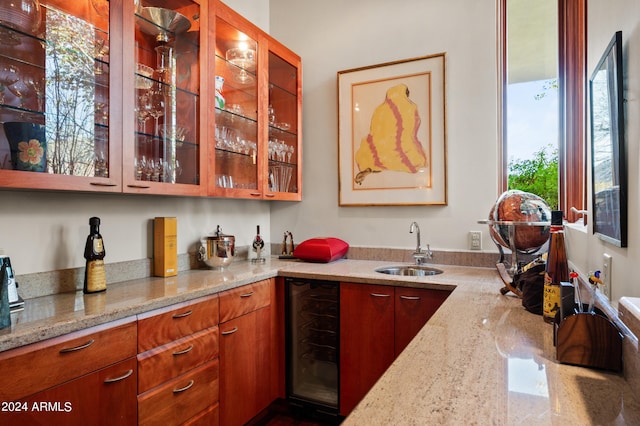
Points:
x=245 y=299
x=209 y=417
x=41 y=365
x=177 y=400
x=168 y=361
x=104 y=397
x=165 y=325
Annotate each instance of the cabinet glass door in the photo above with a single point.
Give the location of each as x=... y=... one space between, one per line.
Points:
x=283 y=125
x=236 y=110
x=54 y=90
x=167 y=93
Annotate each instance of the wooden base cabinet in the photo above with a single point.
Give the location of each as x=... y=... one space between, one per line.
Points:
x=178 y=364
x=413 y=308
x=376 y=324
x=246 y=364
x=85 y=377
x=366 y=339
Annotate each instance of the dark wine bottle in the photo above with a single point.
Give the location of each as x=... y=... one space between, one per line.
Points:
x=95 y=277
x=557 y=269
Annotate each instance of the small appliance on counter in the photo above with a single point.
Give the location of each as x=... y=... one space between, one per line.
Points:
x=15 y=301
x=218 y=250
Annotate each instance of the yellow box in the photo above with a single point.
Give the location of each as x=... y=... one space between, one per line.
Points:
x=165 y=246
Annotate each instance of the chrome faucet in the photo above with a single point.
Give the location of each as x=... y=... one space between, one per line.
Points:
x=419 y=255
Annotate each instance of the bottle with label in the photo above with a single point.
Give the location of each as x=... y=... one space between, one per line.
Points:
x=95 y=277
x=557 y=269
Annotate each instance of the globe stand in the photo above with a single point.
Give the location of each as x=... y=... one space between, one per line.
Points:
x=507 y=273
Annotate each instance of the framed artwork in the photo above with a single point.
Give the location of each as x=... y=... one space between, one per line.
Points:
x=392 y=133
x=608 y=146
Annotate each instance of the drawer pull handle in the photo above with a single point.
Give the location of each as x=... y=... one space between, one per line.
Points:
x=182 y=315
x=77 y=348
x=380 y=295
x=184 y=388
x=410 y=297
x=184 y=351
x=247 y=294
x=102 y=184
x=233 y=330
x=117 y=379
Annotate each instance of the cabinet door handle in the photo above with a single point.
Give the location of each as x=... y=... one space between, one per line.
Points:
x=409 y=297
x=182 y=315
x=184 y=351
x=233 y=330
x=77 y=348
x=256 y=194
x=247 y=294
x=117 y=379
x=139 y=186
x=270 y=195
x=379 y=295
x=103 y=184
x=184 y=388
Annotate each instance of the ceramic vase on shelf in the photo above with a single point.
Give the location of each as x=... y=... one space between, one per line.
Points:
x=28 y=146
x=220 y=101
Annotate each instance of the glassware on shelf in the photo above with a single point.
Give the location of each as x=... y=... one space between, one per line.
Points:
x=143 y=79
x=272 y=115
x=157 y=104
x=245 y=60
x=160 y=22
x=101 y=49
x=101 y=165
x=20 y=15
x=280 y=177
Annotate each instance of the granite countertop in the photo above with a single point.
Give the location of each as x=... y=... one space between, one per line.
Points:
x=481 y=359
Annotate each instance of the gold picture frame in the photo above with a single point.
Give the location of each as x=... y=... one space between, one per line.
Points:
x=392 y=146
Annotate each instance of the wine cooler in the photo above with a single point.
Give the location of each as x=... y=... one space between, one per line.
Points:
x=313 y=325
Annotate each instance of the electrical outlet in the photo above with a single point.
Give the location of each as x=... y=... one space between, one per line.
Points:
x=475 y=240
x=606 y=275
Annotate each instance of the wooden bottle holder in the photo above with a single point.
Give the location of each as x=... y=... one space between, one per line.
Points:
x=589 y=340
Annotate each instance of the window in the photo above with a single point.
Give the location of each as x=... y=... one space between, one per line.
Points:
x=543 y=99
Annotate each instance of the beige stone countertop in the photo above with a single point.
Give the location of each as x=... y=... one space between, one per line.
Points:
x=481 y=359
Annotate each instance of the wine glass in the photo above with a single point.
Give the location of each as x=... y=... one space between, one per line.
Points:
x=143 y=110
x=157 y=104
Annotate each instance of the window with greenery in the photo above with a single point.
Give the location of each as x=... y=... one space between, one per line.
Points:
x=543 y=103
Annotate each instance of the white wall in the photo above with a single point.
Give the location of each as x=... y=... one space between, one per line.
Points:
x=604 y=19
x=334 y=35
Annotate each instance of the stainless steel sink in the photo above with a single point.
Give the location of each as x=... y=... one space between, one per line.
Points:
x=410 y=270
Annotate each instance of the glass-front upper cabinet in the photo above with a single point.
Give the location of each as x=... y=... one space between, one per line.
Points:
x=235 y=108
x=284 y=118
x=257 y=110
x=56 y=96
x=165 y=154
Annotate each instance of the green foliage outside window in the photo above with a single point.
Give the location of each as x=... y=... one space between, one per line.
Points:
x=538 y=175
